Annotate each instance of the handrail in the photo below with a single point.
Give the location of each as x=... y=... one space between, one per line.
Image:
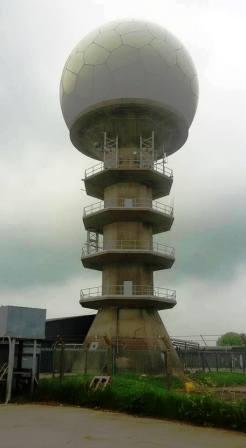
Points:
x=128 y=245
x=93 y=208
x=158 y=165
x=122 y=203
x=137 y=290
x=94 y=169
x=164 y=208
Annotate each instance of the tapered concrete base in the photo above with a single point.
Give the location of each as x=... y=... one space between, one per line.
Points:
x=136 y=338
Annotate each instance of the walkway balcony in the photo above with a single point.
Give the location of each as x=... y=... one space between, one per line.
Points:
x=152 y=173
x=157 y=255
x=157 y=214
x=142 y=296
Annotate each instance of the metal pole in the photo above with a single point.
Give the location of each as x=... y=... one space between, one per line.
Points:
x=140 y=152
x=203 y=364
x=203 y=339
x=117 y=330
x=62 y=361
x=113 y=361
x=86 y=356
x=34 y=357
x=216 y=360
x=168 y=370
x=117 y=152
x=10 y=369
x=53 y=361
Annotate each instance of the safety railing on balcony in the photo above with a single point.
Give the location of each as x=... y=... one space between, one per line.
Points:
x=128 y=245
x=137 y=290
x=128 y=203
x=159 y=166
x=93 y=208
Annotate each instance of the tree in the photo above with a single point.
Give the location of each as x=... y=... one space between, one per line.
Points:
x=230 y=338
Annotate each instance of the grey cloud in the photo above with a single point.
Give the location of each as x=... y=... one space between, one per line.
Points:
x=40 y=170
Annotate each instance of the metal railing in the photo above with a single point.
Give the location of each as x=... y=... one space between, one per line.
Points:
x=94 y=169
x=158 y=166
x=161 y=167
x=93 y=208
x=128 y=245
x=123 y=203
x=163 y=208
x=137 y=290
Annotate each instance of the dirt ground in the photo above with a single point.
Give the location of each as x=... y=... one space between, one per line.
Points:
x=40 y=426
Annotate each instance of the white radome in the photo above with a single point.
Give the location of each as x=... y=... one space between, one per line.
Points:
x=129 y=63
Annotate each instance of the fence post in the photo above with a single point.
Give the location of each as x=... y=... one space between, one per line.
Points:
x=109 y=361
x=34 y=365
x=216 y=360
x=86 y=356
x=168 y=370
x=113 y=361
x=203 y=363
x=62 y=361
x=53 y=361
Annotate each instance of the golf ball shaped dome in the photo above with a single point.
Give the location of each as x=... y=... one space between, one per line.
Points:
x=129 y=78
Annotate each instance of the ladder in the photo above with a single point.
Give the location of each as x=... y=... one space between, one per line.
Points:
x=110 y=148
x=92 y=241
x=100 y=382
x=147 y=147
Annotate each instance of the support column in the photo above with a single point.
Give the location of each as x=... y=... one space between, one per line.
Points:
x=10 y=369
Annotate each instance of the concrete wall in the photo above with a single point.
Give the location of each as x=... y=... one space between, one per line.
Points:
x=131 y=190
x=116 y=274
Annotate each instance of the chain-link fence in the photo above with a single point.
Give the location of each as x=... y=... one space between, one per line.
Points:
x=65 y=359
x=214 y=360
x=71 y=359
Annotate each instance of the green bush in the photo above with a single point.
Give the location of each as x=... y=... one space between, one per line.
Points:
x=145 y=397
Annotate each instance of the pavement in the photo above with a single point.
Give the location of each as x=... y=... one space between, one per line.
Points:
x=42 y=426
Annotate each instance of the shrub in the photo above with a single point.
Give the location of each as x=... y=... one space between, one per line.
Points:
x=148 y=398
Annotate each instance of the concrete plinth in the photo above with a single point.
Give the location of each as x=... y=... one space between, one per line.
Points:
x=137 y=337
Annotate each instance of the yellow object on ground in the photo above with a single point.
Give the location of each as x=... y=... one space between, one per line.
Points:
x=190 y=387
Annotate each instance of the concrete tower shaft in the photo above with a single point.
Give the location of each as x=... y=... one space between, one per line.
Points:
x=126 y=253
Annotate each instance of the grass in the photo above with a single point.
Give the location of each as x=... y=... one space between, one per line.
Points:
x=220 y=379
x=147 y=397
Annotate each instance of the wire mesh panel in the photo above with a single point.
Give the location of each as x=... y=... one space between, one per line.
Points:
x=213 y=360
x=72 y=359
x=140 y=362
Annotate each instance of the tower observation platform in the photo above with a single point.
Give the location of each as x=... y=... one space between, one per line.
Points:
x=128 y=95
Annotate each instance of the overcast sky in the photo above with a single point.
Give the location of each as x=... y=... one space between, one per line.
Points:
x=41 y=231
